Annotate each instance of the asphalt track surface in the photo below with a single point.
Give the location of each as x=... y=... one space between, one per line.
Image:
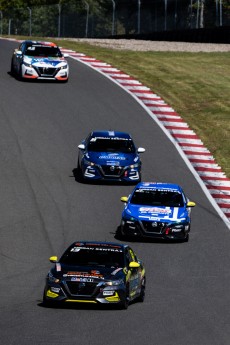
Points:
x=43 y=209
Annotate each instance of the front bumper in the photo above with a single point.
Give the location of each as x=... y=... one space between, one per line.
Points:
x=108 y=173
x=30 y=72
x=63 y=293
x=155 y=230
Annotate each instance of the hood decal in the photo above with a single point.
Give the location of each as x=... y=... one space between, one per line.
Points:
x=157 y=213
x=51 y=62
x=92 y=274
x=155 y=210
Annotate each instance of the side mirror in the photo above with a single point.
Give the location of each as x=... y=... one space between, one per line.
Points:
x=134 y=264
x=53 y=259
x=65 y=55
x=191 y=204
x=124 y=199
x=81 y=147
x=18 y=52
x=140 y=150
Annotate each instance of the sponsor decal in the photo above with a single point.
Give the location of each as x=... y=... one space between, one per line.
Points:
x=83 y=280
x=108 y=293
x=113 y=249
x=151 y=218
x=176 y=230
x=109 y=138
x=112 y=156
x=154 y=210
x=94 y=272
x=83 y=275
x=58 y=267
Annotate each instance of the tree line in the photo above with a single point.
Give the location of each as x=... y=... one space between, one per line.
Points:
x=97 y=18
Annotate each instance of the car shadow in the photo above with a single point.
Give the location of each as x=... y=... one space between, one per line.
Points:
x=81 y=306
x=39 y=81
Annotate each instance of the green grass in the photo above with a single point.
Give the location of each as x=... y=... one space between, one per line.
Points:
x=196 y=85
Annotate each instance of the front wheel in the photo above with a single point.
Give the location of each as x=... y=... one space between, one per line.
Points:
x=186 y=238
x=12 y=70
x=125 y=302
x=141 y=297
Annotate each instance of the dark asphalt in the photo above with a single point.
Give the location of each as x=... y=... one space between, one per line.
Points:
x=43 y=209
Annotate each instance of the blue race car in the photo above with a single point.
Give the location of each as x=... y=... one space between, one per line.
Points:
x=156 y=210
x=110 y=156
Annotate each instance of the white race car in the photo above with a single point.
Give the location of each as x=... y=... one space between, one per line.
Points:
x=40 y=60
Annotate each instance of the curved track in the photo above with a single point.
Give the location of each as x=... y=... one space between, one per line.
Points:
x=43 y=209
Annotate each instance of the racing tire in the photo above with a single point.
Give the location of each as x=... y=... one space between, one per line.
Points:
x=119 y=235
x=46 y=303
x=125 y=303
x=12 y=70
x=80 y=176
x=186 y=238
x=141 y=298
x=19 y=74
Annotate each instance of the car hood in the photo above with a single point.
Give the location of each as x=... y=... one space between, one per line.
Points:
x=115 y=159
x=86 y=273
x=157 y=213
x=45 y=61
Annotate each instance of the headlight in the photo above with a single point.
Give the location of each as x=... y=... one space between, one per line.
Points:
x=53 y=279
x=27 y=64
x=114 y=282
x=64 y=67
x=136 y=165
x=127 y=217
x=88 y=162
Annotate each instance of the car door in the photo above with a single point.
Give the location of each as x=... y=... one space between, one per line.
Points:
x=133 y=275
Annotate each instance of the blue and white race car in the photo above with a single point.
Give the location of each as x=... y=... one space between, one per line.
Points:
x=156 y=210
x=39 y=60
x=111 y=156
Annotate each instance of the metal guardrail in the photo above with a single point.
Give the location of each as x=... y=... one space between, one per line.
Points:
x=127 y=17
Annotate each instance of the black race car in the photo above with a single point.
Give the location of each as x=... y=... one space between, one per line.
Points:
x=97 y=273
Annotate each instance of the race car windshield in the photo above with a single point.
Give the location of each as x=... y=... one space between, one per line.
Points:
x=111 y=145
x=157 y=198
x=43 y=51
x=81 y=256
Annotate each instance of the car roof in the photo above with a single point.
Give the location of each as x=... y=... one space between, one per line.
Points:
x=159 y=185
x=99 y=244
x=111 y=134
x=41 y=43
